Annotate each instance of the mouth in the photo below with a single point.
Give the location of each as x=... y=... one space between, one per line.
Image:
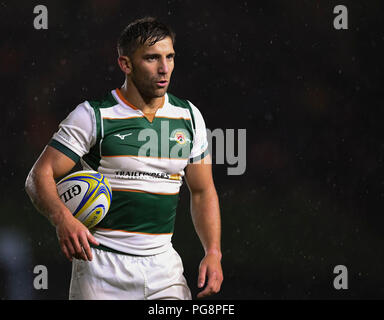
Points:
x=162 y=83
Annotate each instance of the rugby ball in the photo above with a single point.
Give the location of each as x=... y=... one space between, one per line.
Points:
x=87 y=194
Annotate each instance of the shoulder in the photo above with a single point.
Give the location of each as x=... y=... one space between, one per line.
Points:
x=88 y=111
x=178 y=102
x=106 y=101
x=185 y=104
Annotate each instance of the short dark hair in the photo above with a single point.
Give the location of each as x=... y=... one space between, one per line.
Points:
x=139 y=32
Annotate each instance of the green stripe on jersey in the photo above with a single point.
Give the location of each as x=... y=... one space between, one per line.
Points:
x=68 y=152
x=120 y=137
x=200 y=157
x=141 y=212
x=93 y=157
x=165 y=138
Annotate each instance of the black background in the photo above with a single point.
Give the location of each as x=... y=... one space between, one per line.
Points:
x=308 y=95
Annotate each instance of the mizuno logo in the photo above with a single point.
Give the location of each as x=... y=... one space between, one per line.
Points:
x=122 y=136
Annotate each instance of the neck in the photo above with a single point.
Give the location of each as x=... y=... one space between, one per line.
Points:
x=134 y=97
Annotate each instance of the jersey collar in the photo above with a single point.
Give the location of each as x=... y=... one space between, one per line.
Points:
x=121 y=100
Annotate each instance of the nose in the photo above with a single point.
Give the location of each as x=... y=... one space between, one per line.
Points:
x=163 y=67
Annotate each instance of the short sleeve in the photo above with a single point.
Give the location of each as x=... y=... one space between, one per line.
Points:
x=200 y=143
x=77 y=132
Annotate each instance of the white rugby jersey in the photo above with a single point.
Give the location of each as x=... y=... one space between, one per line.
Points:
x=143 y=161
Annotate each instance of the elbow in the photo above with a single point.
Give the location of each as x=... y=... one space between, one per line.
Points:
x=204 y=193
x=28 y=183
x=31 y=181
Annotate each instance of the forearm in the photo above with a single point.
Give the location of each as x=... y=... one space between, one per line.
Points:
x=206 y=219
x=41 y=188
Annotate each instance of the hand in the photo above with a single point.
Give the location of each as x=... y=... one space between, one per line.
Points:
x=210 y=267
x=73 y=239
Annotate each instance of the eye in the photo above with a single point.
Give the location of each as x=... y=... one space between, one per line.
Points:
x=170 y=56
x=151 y=58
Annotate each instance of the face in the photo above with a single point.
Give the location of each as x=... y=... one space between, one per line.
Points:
x=152 y=68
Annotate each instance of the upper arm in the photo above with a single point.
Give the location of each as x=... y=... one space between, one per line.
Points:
x=198 y=176
x=53 y=163
x=198 y=173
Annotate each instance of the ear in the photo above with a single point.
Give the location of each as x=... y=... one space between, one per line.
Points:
x=125 y=64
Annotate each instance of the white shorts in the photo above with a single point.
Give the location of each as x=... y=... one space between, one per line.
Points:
x=123 y=277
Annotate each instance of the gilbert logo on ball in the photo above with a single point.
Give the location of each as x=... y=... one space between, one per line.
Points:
x=87 y=194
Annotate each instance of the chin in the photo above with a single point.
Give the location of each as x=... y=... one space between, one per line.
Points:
x=160 y=92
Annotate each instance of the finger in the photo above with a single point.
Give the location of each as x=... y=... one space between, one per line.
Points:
x=218 y=286
x=79 y=253
x=70 y=248
x=212 y=279
x=208 y=291
x=202 y=275
x=65 y=251
x=212 y=284
x=218 y=282
x=92 y=239
x=205 y=293
x=86 y=247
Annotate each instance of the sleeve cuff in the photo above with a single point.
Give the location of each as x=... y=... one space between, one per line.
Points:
x=63 y=149
x=199 y=157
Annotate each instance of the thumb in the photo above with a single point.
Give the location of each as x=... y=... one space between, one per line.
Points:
x=92 y=239
x=202 y=275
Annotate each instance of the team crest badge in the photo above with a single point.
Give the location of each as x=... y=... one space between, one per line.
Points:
x=181 y=136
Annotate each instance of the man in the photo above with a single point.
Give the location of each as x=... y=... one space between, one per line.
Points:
x=144 y=140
